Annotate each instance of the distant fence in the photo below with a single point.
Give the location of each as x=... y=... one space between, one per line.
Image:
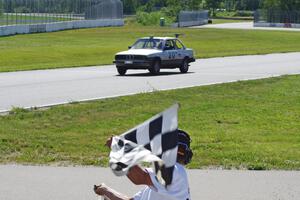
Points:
x=105 y=9
x=277 y=18
x=59 y=13
x=192 y=18
x=58 y=26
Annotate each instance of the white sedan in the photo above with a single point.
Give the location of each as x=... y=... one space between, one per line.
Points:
x=155 y=53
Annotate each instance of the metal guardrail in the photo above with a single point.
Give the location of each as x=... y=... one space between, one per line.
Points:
x=192 y=18
x=19 y=12
x=186 y=16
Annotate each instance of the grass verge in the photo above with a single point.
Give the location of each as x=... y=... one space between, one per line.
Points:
x=224 y=21
x=248 y=124
x=87 y=47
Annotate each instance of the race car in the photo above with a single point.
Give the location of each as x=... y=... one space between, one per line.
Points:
x=155 y=53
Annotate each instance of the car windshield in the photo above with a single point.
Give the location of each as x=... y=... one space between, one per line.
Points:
x=147 y=44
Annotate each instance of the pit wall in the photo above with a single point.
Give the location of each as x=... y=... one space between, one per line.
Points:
x=58 y=26
x=277 y=25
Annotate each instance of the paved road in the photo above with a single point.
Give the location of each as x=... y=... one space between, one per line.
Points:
x=51 y=87
x=70 y=183
x=245 y=26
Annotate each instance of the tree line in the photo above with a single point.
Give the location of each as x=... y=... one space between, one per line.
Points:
x=131 y=6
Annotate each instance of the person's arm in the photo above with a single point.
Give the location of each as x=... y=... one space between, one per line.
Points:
x=108 y=141
x=109 y=194
x=139 y=176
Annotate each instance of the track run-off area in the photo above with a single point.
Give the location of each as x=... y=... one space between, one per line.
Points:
x=52 y=87
x=42 y=88
x=76 y=183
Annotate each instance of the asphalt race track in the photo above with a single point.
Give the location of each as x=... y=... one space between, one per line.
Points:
x=76 y=183
x=51 y=87
x=244 y=26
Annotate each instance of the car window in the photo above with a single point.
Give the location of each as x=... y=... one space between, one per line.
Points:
x=169 y=45
x=147 y=44
x=178 y=45
x=160 y=44
x=150 y=44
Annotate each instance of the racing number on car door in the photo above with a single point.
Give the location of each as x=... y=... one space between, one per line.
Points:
x=172 y=55
x=171 y=52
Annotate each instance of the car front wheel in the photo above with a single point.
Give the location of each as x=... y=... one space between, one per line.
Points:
x=155 y=68
x=121 y=71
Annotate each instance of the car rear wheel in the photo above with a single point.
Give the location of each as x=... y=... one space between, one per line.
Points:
x=121 y=71
x=184 y=68
x=155 y=68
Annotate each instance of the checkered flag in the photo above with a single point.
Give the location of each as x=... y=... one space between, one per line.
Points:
x=155 y=141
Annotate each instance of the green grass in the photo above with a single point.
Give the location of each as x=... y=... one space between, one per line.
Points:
x=235 y=14
x=248 y=125
x=223 y=21
x=87 y=47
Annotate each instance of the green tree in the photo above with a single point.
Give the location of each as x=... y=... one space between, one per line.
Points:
x=232 y=5
x=213 y=5
x=195 y=4
x=269 y=4
x=1 y=8
x=131 y=6
x=286 y=5
x=248 y=4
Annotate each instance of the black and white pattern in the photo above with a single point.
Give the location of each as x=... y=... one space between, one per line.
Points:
x=155 y=141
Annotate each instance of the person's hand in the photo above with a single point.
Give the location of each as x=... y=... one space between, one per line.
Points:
x=108 y=142
x=100 y=189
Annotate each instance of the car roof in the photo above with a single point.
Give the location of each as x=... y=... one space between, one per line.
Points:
x=159 y=38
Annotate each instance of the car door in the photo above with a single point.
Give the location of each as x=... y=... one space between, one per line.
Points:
x=169 y=53
x=180 y=49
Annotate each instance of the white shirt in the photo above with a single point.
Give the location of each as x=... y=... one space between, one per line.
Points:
x=177 y=190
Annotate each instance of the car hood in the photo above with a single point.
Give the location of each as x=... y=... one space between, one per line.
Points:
x=144 y=52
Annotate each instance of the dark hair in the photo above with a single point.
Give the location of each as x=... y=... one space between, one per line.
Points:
x=184 y=141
